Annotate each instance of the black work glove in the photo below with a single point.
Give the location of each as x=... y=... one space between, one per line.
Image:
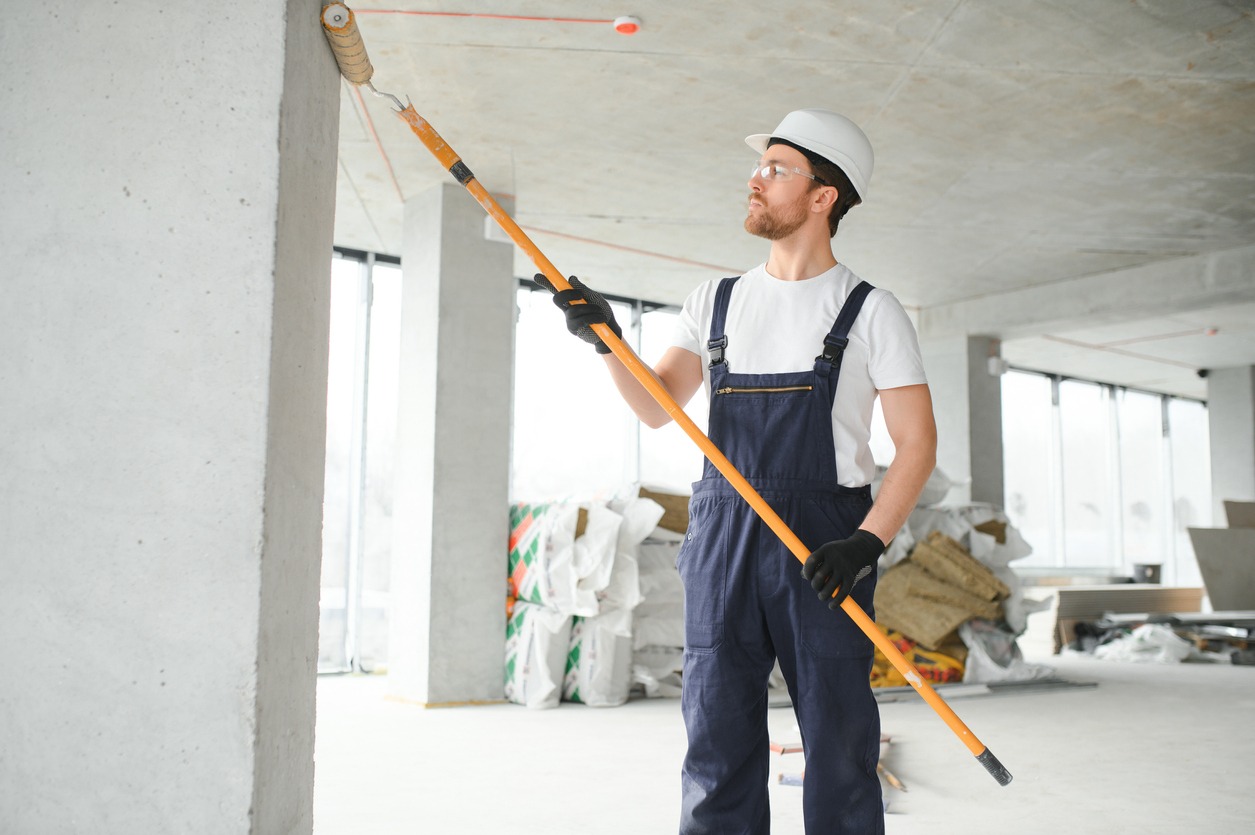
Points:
x=581 y=317
x=841 y=564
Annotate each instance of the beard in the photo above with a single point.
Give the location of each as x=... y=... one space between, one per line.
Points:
x=776 y=223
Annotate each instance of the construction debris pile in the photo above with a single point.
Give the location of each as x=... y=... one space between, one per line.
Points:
x=923 y=600
x=596 y=606
x=937 y=589
x=950 y=601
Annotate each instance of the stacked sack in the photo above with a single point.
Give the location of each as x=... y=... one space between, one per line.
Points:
x=573 y=583
x=658 y=622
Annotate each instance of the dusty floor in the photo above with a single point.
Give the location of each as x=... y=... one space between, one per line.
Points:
x=1150 y=749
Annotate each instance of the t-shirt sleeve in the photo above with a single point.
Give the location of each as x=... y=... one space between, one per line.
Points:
x=894 y=357
x=684 y=334
x=687 y=333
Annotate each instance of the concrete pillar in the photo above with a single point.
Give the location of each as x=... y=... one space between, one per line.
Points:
x=169 y=180
x=1231 y=419
x=446 y=636
x=967 y=403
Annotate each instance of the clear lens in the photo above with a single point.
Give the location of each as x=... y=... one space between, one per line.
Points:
x=776 y=172
x=769 y=172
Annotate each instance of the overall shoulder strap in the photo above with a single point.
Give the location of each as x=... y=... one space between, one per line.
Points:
x=718 y=319
x=839 y=336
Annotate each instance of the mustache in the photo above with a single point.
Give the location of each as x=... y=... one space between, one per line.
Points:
x=758 y=197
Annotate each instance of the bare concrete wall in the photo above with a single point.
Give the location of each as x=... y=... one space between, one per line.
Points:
x=1231 y=415
x=967 y=405
x=169 y=182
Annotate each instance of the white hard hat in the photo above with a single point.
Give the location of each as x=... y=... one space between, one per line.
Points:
x=832 y=136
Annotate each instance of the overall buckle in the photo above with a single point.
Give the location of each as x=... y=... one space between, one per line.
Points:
x=834 y=347
x=715 y=347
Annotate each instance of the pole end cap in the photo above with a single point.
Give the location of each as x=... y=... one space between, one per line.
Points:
x=994 y=767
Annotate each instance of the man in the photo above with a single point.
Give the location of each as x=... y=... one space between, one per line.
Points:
x=796 y=425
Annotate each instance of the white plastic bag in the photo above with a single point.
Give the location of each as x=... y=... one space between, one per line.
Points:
x=594 y=559
x=658 y=620
x=994 y=655
x=640 y=517
x=1150 y=643
x=658 y=670
x=599 y=660
x=537 y=639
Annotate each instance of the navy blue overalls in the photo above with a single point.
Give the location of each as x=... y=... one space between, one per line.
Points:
x=747 y=604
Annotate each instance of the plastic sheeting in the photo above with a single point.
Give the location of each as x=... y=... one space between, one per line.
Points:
x=1150 y=643
x=993 y=655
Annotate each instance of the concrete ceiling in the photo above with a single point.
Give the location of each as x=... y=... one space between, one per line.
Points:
x=1075 y=177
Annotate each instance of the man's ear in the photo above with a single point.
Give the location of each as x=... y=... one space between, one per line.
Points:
x=825 y=198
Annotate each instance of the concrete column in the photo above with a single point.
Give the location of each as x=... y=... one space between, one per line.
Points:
x=169 y=180
x=1231 y=419
x=447 y=633
x=967 y=403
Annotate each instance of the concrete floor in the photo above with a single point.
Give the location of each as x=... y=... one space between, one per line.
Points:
x=1150 y=749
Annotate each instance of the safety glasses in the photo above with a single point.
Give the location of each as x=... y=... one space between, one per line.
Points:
x=774 y=172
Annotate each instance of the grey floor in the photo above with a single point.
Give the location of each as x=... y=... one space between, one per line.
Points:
x=1149 y=749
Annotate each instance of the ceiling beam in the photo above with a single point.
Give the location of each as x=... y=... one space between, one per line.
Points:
x=1181 y=284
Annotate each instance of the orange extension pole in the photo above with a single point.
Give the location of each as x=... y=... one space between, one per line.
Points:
x=454 y=165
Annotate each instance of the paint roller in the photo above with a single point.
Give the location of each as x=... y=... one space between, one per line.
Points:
x=340 y=27
x=345 y=39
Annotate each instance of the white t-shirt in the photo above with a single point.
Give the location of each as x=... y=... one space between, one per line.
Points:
x=778 y=327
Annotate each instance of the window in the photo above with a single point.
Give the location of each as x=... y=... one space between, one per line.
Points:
x=1088 y=511
x=1191 y=486
x=1031 y=468
x=1100 y=477
x=361 y=430
x=669 y=459
x=1145 y=509
x=571 y=427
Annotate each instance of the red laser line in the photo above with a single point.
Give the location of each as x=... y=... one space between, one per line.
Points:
x=370 y=125
x=482 y=15
x=1091 y=346
x=631 y=249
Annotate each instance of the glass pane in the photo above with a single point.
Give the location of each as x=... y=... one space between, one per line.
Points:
x=1144 y=502
x=1029 y=469
x=1088 y=517
x=572 y=430
x=669 y=457
x=1191 y=486
x=381 y=431
x=346 y=276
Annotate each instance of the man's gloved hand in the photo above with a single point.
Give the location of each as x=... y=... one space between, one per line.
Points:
x=581 y=317
x=842 y=563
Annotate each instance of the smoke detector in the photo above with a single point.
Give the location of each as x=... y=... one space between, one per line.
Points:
x=627 y=24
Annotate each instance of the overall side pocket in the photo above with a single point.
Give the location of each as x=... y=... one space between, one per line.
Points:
x=702 y=563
